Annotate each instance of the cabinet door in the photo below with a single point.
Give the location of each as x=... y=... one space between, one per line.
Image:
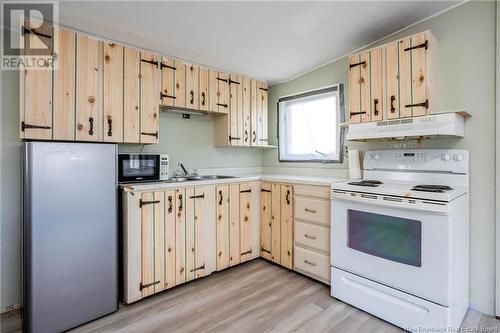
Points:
x=359 y=88
x=234 y=224
x=159 y=241
x=168 y=69
x=190 y=234
x=113 y=92
x=222 y=195
x=262 y=114
x=246 y=111
x=275 y=223
x=64 y=87
x=392 y=80
x=180 y=84
x=147 y=244
x=377 y=84
x=265 y=221
x=192 y=83
x=219 y=91
x=180 y=237
x=413 y=76
x=170 y=226
x=254 y=117
x=36 y=96
x=235 y=110
x=88 y=89
x=131 y=100
x=150 y=99
x=246 y=222
x=286 y=242
x=364 y=82
x=203 y=95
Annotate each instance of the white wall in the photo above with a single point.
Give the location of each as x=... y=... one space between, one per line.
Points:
x=466 y=37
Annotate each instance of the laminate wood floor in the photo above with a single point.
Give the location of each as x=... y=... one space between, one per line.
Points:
x=253 y=297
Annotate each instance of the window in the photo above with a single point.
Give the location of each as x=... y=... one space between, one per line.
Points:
x=308 y=126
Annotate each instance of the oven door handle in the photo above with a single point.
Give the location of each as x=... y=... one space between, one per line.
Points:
x=431 y=207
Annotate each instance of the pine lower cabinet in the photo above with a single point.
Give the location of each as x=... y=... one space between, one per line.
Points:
x=312 y=231
x=168 y=239
x=237 y=220
x=277 y=223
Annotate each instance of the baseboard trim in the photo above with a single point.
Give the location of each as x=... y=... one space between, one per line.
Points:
x=11 y=307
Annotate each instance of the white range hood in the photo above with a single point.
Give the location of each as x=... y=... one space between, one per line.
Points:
x=450 y=124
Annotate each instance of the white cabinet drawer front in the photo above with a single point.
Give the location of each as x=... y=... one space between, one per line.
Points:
x=312 y=262
x=312 y=209
x=313 y=191
x=313 y=236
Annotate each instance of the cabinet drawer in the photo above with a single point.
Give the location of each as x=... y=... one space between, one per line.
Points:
x=312 y=209
x=313 y=191
x=312 y=263
x=313 y=236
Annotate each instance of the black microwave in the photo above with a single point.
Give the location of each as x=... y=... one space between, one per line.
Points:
x=142 y=167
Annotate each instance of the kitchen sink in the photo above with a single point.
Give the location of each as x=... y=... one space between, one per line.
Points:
x=180 y=179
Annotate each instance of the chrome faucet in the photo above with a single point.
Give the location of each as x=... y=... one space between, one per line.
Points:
x=186 y=172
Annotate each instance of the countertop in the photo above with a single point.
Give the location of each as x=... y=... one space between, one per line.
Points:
x=289 y=179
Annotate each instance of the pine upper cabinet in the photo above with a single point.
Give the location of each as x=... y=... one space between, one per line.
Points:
x=254 y=117
x=417 y=74
x=246 y=114
x=131 y=96
x=89 y=92
x=395 y=80
x=150 y=99
x=219 y=91
x=203 y=93
x=359 y=88
x=64 y=87
x=236 y=136
x=36 y=96
x=192 y=87
x=113 y=92
x=262 y=131
x=168 y=94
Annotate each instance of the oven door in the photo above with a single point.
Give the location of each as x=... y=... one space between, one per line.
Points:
x=138 y=167
x=393 y=243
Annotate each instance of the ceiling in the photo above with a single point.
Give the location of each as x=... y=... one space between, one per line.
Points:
x=271 y=41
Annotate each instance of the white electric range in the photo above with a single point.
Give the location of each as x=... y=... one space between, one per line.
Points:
x=400 y=238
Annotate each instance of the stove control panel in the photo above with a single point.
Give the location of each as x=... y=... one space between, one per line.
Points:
x=441 y=160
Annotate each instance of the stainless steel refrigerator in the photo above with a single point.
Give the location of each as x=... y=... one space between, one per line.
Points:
x=70 y=234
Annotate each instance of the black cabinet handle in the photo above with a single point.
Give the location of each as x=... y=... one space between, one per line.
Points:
x=27 y=30
x=170 y=204
x=91 y=123
x=246 y=135
x=246 y=252
x=221 y=79
x=357 y=113
x=110 y=128
x=254 y=136
x=233 y=138
x=223 y=105
x=180 y=202
x=200 y=196
x=375 y=103
x=162 y=65
x=203 y=98
x=264 y=250
x=197 y=268
x=144 y=203
x=220 y=198
x=357 y=64
x=424 y=104
x=246 y=191
x=264 y=190
x=191 y=101
x=155 y=134
x=144 y=286
x=25 y=126
x=231 y=82
x=162 y=95
x=263 y=89
x=287 y=197
x=393 y=109
x=423 y=45
x=152 y=62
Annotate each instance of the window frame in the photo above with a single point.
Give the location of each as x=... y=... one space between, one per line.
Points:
x=339 y=87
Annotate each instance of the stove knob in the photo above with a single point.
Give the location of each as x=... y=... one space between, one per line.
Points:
x=458 y=157
x=445 y=157
x=377 y=157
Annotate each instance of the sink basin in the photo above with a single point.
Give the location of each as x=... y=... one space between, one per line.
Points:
x=180 y=179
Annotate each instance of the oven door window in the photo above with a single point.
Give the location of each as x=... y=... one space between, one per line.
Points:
x=392 y=238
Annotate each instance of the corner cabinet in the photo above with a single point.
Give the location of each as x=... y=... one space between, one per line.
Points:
x=395 y=80
x=277 y=223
